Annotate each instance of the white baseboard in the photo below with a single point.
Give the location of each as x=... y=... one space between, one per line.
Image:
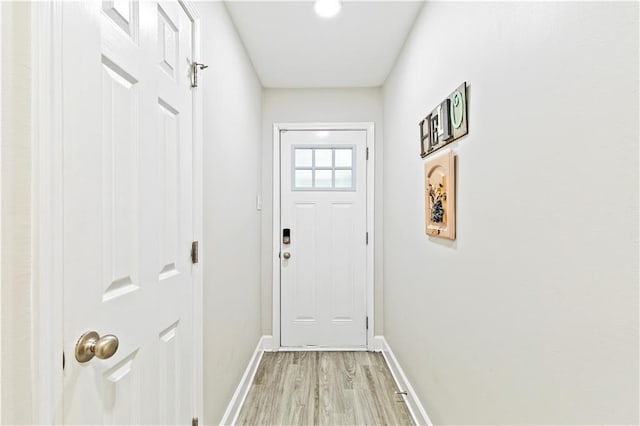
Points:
x=237 y=400
x=377 y=344
x=413 y=403
x=267 y=344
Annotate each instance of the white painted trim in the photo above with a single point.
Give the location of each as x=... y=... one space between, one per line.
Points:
x=369 y=127
x=240 y=395
x=414 y=405
x=267 y=343
x=371 y=177
x=275 y=251
x=46 y=212
x=378 y=344
x=190 y=9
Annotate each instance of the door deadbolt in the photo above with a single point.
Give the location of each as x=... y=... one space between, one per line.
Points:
x=90 y=344
x=286 y=255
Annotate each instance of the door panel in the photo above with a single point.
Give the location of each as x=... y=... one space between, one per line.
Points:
x=305 y=235
x=168 y=373
x=128 y=210
x=341 y=262
x=169 y=198
x=122 y=381
x=119 y=183
x=323 y=203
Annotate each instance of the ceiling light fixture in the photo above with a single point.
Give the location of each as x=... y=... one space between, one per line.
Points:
x=327 y=8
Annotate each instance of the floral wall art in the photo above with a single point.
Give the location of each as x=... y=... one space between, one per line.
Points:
x=439 y=176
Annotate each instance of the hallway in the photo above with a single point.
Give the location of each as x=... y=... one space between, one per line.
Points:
x=212 y=184
x=323 y=388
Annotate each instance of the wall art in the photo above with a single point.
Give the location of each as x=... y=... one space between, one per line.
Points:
x=440 y=196
x=425 y=135
x=446 y=123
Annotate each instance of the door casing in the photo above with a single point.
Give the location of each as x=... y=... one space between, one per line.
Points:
x=369 y=128
x=47 y=220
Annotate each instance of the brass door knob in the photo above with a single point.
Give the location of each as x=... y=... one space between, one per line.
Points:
x=90 y=344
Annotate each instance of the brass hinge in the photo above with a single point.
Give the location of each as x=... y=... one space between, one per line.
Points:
x=64 y=361
x=367 y=153
x=194 y=252
x=366 y=238
x=367 y=322
x=194 y=421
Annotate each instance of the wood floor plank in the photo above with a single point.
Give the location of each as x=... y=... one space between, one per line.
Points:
x=286 y=412
x=384 y=394
x=325 y=410
x=323 y=388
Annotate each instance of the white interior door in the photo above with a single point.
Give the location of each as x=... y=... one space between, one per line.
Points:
x=322 y=238
x=128 y=210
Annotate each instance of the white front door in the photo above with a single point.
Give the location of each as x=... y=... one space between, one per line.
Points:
x=322 y=238
x=128 y=211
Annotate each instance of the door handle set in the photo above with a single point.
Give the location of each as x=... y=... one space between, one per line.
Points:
x=286 y=239
x=90 y=344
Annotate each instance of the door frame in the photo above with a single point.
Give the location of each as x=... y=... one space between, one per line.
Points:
x=47 y=214
x=369 y=128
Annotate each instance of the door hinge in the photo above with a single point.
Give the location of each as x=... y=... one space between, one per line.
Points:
x=367 y=153
x=63 y=361
x=366 y=238
x=367 y=323
x=194 y=421
x=194 y=252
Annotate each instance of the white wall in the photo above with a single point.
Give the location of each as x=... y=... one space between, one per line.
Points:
x=231 y=246
x=1 y=215
x=316 y=105
x=1 y=210
x=15 y=247
x=531 y=315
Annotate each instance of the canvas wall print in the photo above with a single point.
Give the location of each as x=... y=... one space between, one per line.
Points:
x=439 y=175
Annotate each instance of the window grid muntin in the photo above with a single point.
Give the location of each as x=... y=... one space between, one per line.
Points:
x=314 y=168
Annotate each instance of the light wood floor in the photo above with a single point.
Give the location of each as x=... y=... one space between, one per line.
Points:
x=323 y=388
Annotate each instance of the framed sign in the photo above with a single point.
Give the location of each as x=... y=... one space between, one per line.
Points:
x=440 y=196
x=425 y=136
x=446 y=123
x=458 y=112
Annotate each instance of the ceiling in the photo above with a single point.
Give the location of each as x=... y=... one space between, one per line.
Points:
x=291 y=47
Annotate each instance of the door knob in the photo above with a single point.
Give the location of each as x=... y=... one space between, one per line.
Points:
x=90 y=344
x=286 y=255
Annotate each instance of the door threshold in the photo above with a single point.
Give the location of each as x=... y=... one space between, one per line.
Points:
x=322 y=349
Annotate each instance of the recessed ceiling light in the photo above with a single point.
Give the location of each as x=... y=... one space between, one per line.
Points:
x=327 y=8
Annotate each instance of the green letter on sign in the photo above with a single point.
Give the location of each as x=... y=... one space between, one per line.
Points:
x=457 y=103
